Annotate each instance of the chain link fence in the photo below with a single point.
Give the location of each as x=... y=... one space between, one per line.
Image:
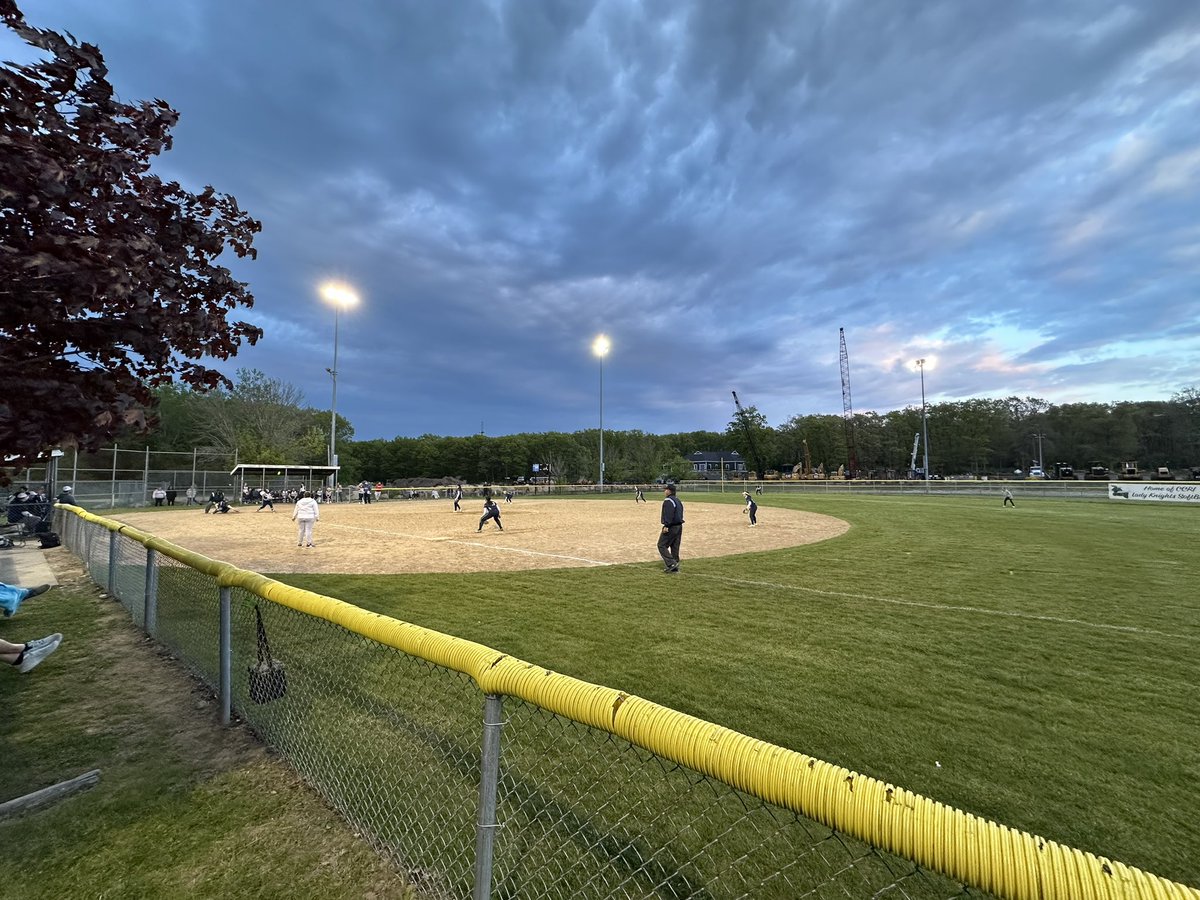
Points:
x=480 y=776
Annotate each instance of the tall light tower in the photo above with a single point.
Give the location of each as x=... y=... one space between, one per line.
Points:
x=924 y=424
x=339 y=296
x=601 y=346
x=1041 y=461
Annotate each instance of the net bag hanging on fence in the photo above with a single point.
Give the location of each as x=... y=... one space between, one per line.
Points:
x=268 y=680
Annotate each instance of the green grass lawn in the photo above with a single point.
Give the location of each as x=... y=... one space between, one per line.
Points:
x=183 y=807
x=1044 y=656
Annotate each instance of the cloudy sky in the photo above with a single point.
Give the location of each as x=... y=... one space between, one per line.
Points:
x=1009 y=190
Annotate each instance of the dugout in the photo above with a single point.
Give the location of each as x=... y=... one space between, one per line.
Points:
x=280 y=478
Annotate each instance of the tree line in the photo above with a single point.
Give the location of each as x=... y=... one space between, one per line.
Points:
x=264 y=420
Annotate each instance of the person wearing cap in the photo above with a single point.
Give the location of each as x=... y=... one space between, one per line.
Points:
x=65 y=495
x=751 y=508
x=672 y=529
x=490 y=511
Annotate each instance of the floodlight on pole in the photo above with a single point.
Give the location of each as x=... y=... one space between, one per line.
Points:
x=339 y=296
x=920 y=363
x=600 y=346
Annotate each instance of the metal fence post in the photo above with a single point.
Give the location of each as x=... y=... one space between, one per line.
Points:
x=226 y=654
x=489 y=780
x=150 y=610
x=112 y=564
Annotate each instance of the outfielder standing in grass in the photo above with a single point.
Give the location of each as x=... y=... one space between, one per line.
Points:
x=305 y=514
x=672 y=529
x=1008 y=500
x=751 y=508
x=490 y=511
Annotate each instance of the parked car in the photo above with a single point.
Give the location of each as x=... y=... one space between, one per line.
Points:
x=1036 y=472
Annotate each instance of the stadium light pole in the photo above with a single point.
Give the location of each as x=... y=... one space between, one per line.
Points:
x=1041 y=460
x=600 y=347
x=924 y=424
x=339 y=296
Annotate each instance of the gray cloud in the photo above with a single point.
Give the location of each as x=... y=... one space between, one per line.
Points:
x=718 y=186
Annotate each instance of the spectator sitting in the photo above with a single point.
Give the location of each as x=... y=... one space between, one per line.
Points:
x=12 y=596
x=26 y=656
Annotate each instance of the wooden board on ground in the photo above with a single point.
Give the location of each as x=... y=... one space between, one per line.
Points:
x=399 y=536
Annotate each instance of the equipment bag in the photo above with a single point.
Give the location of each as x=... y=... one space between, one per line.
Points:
x=268 y=680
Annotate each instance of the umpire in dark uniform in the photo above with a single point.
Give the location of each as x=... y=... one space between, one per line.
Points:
x=672 y=529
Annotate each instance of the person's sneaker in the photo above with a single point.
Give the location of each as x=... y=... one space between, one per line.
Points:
x=36 y=651
x=40 y=589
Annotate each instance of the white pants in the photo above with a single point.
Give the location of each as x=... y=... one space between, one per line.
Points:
x=306 y=528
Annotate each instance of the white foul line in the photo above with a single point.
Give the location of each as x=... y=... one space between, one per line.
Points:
x=1103 y=626
x=592 y=562
x=947 y=607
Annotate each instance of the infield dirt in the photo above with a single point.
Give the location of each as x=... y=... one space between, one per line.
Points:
x=399 y=536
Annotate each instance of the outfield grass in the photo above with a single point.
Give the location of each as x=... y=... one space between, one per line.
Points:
x=1044 y=656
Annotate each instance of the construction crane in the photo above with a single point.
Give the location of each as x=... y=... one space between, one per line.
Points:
x=744 y=419
x=848 y=408
x=803 y=469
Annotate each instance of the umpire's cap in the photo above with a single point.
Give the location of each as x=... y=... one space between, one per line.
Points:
x=669 y=487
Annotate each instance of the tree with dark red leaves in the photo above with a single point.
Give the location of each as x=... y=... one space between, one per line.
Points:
x=108 y=281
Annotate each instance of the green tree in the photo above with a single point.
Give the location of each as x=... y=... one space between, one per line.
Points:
x=749 y=434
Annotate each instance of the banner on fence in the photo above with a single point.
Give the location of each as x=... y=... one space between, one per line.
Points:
x=1170 y=492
